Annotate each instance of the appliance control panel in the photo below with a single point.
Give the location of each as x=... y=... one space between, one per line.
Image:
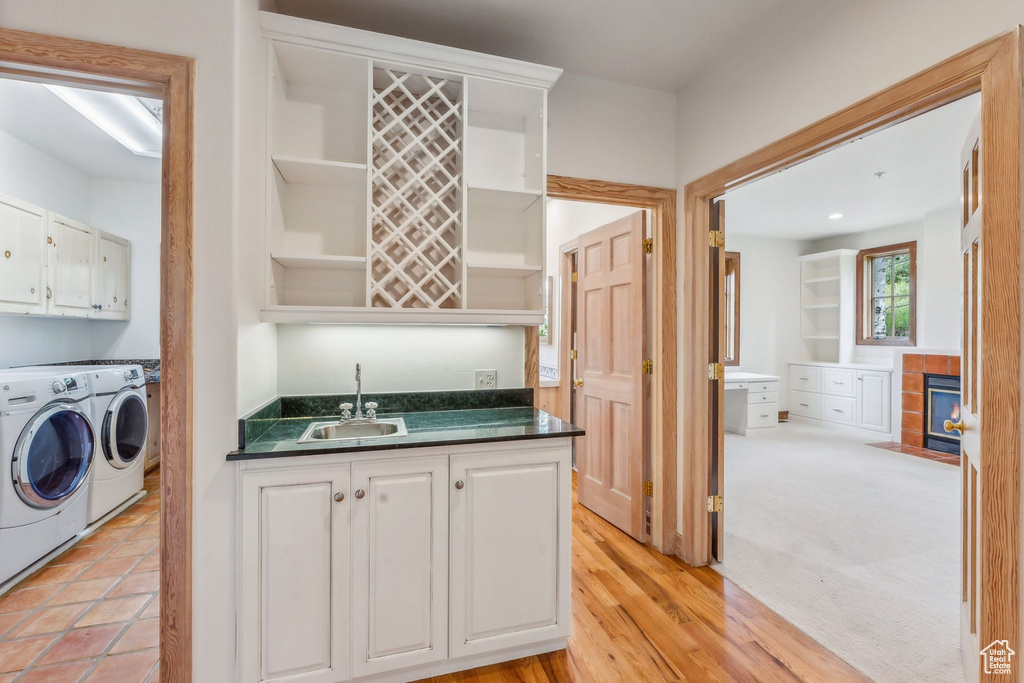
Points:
x=68 y=385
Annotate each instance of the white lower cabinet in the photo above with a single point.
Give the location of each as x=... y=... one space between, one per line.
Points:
x=400 y=567
x=432 y=561
x=510 y=548
x=843 y=395
x=875 y=399
x=295 y=544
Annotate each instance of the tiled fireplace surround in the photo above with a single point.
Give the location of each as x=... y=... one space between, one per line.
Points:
x=915 y=367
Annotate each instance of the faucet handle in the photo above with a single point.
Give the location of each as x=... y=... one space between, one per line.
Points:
x=346 y=409
x=371 y=410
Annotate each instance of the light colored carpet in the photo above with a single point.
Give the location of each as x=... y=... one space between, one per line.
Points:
x=857 y=546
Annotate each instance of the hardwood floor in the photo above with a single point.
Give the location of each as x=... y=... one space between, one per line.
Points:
x=641 y=616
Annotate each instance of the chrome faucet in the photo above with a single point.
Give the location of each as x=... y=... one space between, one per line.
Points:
x=371 y=406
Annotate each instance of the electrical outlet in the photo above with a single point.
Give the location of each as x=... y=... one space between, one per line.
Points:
x=485 y=379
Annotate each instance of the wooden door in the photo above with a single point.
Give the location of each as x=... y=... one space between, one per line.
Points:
x=970 y=400
x=510 y=549
x=113 y=276
x=294 y=565
x=69 y=271
x=610 y=347
x=22 y=257
x=400 y=576
x=716 y=387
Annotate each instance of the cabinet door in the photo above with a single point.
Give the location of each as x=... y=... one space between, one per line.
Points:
x=874 y=406
x=22 y=257
x=69 y=268
x=153 y=437
x=511 y=541
x=112 y=279
x=400 y=577
x=295 y=575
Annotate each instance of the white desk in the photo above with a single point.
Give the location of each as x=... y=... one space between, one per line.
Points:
x=751 y=402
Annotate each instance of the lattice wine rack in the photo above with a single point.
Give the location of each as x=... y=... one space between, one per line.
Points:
x=416 y=245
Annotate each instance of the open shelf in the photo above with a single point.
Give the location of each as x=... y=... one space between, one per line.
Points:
x=821 y=336
x=320 y=172
x=303 y=285
x=814 y=307
x=320 y=262
x=820 y=280
x=505 y=135
x=502 y=198
x=501 y=271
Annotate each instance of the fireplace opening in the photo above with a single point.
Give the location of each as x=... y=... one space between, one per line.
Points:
x=941 y=403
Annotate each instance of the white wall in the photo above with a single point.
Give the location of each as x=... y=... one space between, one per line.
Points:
x=938 y=277
x=609 y=131
x=207 y=31
x=769 y=307
x=132 y=211
x=321 y=359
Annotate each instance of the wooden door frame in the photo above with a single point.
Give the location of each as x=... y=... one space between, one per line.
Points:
x=661 y=202
x=565 y=322
x=992 y=68
x=33 y=56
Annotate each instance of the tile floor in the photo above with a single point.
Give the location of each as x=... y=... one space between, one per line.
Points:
x=918 y=452
x=92 y=614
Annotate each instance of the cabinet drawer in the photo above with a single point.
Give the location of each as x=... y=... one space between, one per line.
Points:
x=839 y=382
x=735 y=385
x=841 y=410
x=763 y=397
x=760 y=387
x=766 y=415
x=805 y=404
x=805 y=378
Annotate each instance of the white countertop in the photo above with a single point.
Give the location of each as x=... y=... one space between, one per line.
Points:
x=851 y=366
x=748 y=377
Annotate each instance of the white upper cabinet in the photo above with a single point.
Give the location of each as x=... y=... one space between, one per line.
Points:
x=69 y=268
x=112 y=276
x=23 y=258
x=405 y=181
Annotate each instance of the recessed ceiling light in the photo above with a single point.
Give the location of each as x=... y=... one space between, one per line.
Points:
x=835 y=216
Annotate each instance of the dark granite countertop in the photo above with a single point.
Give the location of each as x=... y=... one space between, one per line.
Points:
x=272 y=432
x=150 y=366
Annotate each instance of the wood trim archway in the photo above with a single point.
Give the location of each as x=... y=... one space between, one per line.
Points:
x=40 y=57
x=662 y=204
x=994 y=69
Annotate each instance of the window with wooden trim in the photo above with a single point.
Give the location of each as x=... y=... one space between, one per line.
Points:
x=887 y=295
x=731 y=313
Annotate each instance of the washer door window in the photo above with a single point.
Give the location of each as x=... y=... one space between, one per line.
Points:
x=125 y=426
x=53 y=456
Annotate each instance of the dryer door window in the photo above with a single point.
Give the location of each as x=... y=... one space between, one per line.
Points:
x=53 y=456
x=125 y=426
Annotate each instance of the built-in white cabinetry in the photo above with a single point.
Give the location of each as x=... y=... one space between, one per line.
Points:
x=56 y=266
x=23 y=230
x=846 y=395
x=406 y=181
x=400 y=576
x=433 y=560
x=827 y=300
x=294 y=565
x=751 y=402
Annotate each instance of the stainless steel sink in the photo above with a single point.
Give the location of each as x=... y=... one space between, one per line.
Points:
x=348 y=430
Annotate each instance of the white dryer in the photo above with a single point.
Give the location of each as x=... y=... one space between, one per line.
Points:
x=122 y=422
x=47 y=447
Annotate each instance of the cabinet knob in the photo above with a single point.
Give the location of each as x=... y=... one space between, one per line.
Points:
x=360 y=493
x=49 y=240
x=7 y=253
x=460 y=484
x=338 y=497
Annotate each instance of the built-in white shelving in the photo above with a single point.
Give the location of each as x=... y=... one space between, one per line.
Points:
x=406 y=181
x=826 y=303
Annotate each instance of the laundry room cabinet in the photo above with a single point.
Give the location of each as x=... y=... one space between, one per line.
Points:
x=56 y=266
x=406 y=181
x=429 y=561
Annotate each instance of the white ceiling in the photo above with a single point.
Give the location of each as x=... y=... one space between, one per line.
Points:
x=33 y=114
x=921 y=161
x=657 y=44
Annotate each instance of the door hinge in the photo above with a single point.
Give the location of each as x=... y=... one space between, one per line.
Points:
x=716 y=239
x=716 y=371
x=648 y=367
x=572 y=354
x=649 y=489
x=715 y=504
x=575 y=277
x=648 y=246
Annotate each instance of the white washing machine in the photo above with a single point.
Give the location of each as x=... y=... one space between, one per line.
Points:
x=118 y=397
x=47 y=448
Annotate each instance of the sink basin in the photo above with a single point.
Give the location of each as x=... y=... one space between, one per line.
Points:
x=354 y=429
